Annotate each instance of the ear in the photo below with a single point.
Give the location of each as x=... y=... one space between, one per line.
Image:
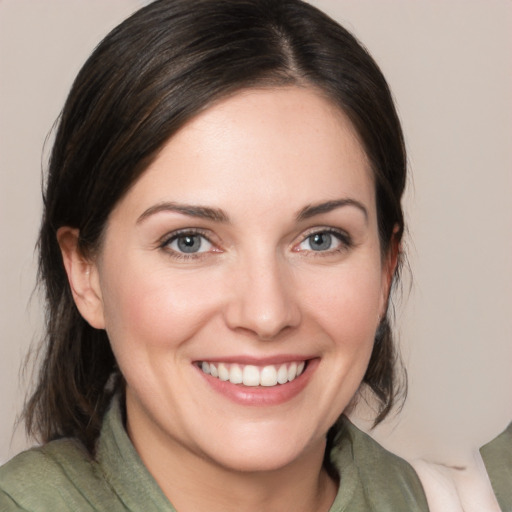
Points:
x=389 y=265
x=83 y=278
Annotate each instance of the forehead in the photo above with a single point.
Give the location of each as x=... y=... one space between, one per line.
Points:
x=264 y=145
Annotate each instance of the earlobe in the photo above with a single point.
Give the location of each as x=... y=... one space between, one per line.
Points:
x=83 y=277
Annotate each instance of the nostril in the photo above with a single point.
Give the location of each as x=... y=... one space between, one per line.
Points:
x=261 y=299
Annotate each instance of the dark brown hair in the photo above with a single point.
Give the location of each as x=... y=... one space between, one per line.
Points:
x=151 y=74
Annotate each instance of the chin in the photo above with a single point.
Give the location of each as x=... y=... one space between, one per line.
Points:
x=265 y=449
x=259 y=460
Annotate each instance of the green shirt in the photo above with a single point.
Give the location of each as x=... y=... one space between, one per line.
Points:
x=497 y=456
x=60 y=476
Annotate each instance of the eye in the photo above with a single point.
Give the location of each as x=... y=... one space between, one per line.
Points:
x=324 y=241
x=188 y=243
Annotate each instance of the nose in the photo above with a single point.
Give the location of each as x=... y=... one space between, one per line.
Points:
x=263 y=298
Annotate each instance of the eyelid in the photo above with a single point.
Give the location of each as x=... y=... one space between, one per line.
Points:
x=165 y=239
x=327 y=229
x=342 y=235
x=168 y=238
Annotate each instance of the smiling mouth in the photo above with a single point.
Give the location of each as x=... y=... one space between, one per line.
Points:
x=252 y=375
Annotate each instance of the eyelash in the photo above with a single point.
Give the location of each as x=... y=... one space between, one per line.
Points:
x=341 y=236
x=176 y=235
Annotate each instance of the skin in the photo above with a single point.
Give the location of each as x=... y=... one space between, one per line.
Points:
x=256 y=291
x=461 y=488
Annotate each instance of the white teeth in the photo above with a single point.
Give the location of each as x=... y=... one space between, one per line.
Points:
x=251 y=375
x=268 y=376
x=223 y=372
x=292 y=371
x=282 y=374
x=235 y=374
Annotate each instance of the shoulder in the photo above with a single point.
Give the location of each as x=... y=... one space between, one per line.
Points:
x=497 y=457
x=385 y=478
x=57 y=476
x=373 y=459
x=497 y=454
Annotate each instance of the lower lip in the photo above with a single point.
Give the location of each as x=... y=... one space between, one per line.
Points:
x=262 y=395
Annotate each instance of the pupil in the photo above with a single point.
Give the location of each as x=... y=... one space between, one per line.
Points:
x=321 y=241
x=189 y=243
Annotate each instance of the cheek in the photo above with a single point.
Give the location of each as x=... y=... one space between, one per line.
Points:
x=152 y=310
x=347 y=303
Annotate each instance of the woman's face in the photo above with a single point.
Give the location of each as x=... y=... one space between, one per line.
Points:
x=241 y=282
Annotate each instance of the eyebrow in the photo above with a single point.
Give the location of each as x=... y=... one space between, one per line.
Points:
x=219 y=215
x=202 y=212
x=317 y=209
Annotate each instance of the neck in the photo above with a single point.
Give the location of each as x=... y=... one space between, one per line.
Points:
x=193 y=483
x=220 y=490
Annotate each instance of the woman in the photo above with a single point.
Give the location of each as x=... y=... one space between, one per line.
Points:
x=222 y=227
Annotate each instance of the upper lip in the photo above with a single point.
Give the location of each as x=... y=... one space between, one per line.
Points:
x=258 y=361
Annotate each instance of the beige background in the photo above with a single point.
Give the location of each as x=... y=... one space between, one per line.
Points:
x=448 y=64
